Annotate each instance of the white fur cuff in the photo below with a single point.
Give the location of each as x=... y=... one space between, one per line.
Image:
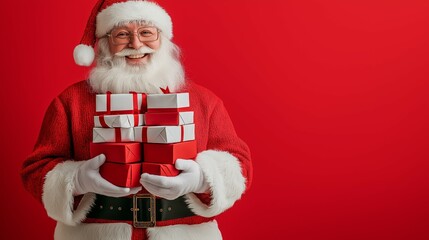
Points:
x=222 y=171
x=58 y=197
x=203 y=231
x=91 y=231
x=123 y=231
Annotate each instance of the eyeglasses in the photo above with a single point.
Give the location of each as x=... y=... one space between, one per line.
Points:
x=144 y=34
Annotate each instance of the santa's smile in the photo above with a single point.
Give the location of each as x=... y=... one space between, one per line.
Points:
x=137 y=58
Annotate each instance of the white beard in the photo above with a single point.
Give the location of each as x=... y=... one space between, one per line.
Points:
x=113 y=74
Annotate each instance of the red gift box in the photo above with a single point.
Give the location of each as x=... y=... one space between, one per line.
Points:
x=122 y=175
x=117 y=152
x=168 y=153
x=169 y=118
x=160 y=169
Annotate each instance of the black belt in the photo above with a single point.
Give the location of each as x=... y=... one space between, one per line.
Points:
x=139 y=209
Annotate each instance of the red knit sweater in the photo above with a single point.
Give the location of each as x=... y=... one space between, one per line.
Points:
x=67 y=131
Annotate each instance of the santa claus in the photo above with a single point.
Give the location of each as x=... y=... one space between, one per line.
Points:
x=134 y=53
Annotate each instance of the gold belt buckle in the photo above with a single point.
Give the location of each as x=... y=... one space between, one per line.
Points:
x=151 y=208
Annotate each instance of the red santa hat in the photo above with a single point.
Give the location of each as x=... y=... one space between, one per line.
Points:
x=106 y=14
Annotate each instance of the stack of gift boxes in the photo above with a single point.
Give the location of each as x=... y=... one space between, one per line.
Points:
x=141 y=133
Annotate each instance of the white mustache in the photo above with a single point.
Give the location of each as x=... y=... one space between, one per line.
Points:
x=127 y=51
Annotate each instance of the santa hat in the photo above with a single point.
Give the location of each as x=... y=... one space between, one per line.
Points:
x=106 y=14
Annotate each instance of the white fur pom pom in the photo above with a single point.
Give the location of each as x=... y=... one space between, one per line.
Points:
x=83 y=55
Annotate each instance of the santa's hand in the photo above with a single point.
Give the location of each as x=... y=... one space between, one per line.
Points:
x=191 y=179
x=88 y=179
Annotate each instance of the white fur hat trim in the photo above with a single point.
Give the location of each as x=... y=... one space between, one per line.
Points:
x=133 y=10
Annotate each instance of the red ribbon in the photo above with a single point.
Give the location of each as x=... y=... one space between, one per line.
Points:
x=183 y=109
x=108 y=95
x=135 y=108
x=102 y=121
x=144 y=103
x=144 y=134
x=182 y=133
x=135 y=102
x=143 y=106
x=165 y=91
x=115 y=112
x=118 y=137
x=136 y=120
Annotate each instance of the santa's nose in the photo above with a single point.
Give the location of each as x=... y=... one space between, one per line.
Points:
x=135 y=42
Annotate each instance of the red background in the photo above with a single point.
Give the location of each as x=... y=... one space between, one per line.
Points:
x=331 y=96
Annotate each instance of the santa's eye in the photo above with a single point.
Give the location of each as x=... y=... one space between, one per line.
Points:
x=145 y=33
x=122 y=34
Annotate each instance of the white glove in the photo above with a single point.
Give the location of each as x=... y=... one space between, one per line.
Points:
x=191 y=179
x=88 y=179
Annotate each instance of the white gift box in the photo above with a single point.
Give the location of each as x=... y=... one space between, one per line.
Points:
x=164 y=134
x=120 y=103
x=167 y=101
x=119 y=121
x=112 y=135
